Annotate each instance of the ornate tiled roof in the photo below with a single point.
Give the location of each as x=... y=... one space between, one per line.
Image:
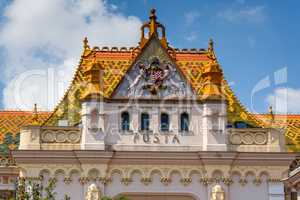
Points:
x=10 y=124
x=100 y=71
x=290 y=123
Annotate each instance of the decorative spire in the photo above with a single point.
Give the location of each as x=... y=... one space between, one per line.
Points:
x=86 y=43
x=153 y=24
x=35 y=118
x=211 y=51
x=271 y=113
x=210 y=45
x=153 y=27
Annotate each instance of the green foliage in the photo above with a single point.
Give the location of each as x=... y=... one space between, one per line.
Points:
x=106 y=198
x=67 y=197
x=50 y=194
x=36 y=191
x=118 y=198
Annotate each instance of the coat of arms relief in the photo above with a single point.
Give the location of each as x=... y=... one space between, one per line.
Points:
x=154 y=75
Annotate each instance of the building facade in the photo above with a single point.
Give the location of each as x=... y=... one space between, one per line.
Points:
x=154 y=122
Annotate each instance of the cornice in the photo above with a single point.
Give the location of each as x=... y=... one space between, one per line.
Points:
x=162 y=158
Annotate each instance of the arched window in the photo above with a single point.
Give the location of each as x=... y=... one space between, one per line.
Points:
x=184 y=122
x=145 y=122
x=164 y=122
x=125 y=121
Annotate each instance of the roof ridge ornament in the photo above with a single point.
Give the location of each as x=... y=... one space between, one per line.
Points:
x=271 y=113
x=35 y=118
x=211 y=50
x=152 y=28
x=86 y=43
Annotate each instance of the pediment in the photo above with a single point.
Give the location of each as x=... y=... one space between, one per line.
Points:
x=154 y=75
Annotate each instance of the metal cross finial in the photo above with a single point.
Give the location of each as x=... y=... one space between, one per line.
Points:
x=153 y=13
x=210 y=45
x=35 y=119
x=271 y=112
x=85 y=43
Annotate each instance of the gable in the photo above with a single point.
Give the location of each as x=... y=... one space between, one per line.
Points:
x=154 y=75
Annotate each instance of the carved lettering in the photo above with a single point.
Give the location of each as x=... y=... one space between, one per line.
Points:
x=146 y=138
x=136 y=138
x=156 y=139
x=175 y=139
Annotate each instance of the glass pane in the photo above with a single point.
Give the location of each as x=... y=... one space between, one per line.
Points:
x=125 y=121
x=240 y=125
x=184 y=122
x=164 y=122
x=145 y=121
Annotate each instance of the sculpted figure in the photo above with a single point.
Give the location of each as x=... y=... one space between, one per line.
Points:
x=93 y=192
x=217 y=193
x=139 y=77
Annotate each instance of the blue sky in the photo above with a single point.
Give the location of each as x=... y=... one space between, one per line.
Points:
x=256 y=42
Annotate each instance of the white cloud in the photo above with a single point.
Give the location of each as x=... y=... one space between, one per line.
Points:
x=191 y=17
x=249 y=14
x=46 y=36
x=285 y=100
x=192 y=36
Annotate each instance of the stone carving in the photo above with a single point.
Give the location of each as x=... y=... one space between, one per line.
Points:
x=248 y=136
x=153 y=78
x=93 y=192
x=60 y=136
x=217 y=193
x=154 y=75
x=156 y=138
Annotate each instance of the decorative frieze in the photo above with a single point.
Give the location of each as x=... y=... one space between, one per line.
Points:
x=227 y=181
x=248 y=136
x=60 y=135
x=243 y=181
x=67 y=180
x=146 y=180
x=186 y=181
x=205 y=181
x=165 y=180
x=83 y=180
x=257 y=181
x=126 y=181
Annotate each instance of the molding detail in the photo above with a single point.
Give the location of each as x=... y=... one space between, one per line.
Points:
x=83 y=180
x=243 y=181
x=60 y=135
x=248 y=136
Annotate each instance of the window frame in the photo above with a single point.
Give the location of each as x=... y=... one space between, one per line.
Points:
x=161 y=128
x=122 y=122
x=141 y=124
x=181 y=124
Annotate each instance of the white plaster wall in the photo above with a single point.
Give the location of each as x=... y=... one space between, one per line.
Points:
x=197 y=190
x=74 y=189
x=250 y=191
x=192 y=141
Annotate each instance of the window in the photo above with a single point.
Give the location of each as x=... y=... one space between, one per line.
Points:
x=125 y=123
x=240 y=124
x=184 y=122
x=94 y=118
x=145 y=122
x=164 y=122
